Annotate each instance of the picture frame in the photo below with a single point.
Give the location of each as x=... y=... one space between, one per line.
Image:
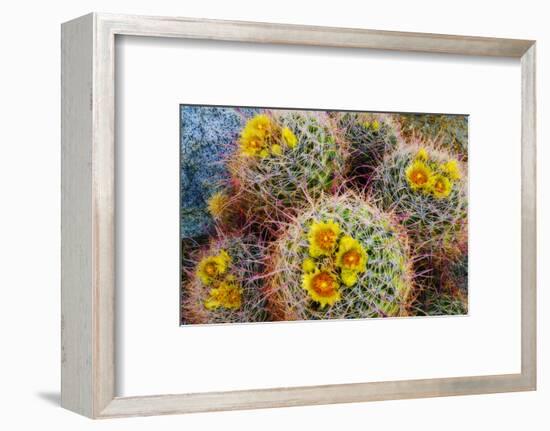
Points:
x=88 y=383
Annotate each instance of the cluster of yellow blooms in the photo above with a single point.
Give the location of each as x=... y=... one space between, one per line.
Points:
x=261 y=137
x=432 y=178
x=225 y=291
x=347 y=256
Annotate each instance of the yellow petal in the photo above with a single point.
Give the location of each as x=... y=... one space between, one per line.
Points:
x=289 y=137
x=308 y=265
x=422 y=154
x=349 y=278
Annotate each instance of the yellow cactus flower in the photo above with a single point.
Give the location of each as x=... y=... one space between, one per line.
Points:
x=227 y=295
x=217 y=204
x=276 y=150
x=252 y=143
x=422 y=154
x=419 y=175
x=440 y=186
x=451 y=169
x=351 y=255
x=289 y=137
x=308 y=265
x=260 y=124
x=212 y=267
x=366 y=124
x=322 y=287
x=323 y=237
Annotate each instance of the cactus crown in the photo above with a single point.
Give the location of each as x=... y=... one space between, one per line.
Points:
x=296 y=159
x=341 y=258
x=226 y=282
x=426 y=188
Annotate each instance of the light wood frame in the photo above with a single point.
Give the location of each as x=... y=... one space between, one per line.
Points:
x=88 y=215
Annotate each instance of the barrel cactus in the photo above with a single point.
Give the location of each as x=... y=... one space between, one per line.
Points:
x=426 y=188
x=284 y=159
x=225 y=284
x=369 y=136
x=340 y=258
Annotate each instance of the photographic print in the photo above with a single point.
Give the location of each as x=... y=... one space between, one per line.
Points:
x=294 y=214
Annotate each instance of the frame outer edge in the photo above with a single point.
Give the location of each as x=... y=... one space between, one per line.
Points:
x=103 y=216
x=312 y=395
x=529 y=219
x=77 y=377
x=292 y=34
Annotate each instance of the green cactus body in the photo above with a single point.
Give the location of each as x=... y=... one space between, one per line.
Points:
x=234 y=293
x=271 y=187
x=435 y=218
x=370 y=137
x=383 y=287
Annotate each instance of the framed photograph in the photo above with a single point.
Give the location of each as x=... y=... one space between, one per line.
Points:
x=266 y=215
x=314 y=215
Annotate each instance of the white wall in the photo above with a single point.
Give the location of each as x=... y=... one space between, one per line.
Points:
x=29 y=228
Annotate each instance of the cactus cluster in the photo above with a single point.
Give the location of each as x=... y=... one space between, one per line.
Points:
x=345 y=253
x=308 y=215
